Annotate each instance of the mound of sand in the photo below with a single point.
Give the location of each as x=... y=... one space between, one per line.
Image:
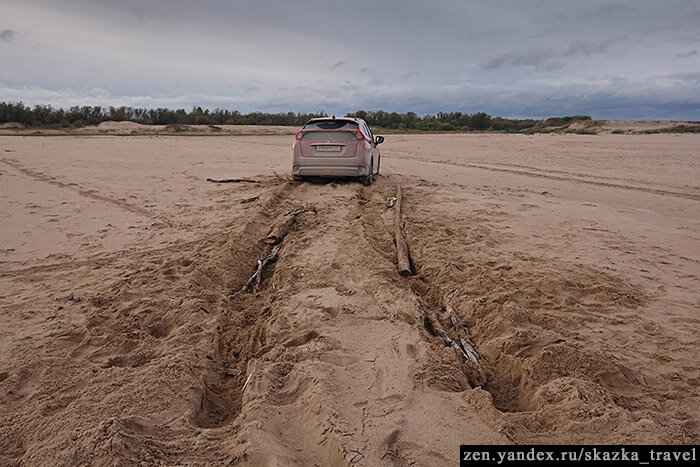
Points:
x=11 y=126
x=120 y=126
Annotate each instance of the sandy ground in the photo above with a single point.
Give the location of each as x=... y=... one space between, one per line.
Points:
x=569 y=261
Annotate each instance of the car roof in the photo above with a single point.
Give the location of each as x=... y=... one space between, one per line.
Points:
x=349 y=119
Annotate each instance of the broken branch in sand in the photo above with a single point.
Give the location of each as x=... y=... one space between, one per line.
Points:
x=280 y=177
x=472 y=368
x=404 y=260
x=246 y=382
x=232 y=180
x=275 y=237
x=434 y=327
x=464 y=342
x=282 y=228
x=301 y=210
x=257 y=275
x=461 y=343
x=471 y=359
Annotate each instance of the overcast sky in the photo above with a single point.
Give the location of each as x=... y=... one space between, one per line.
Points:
x=513 y=58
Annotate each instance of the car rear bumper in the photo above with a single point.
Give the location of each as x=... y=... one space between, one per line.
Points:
x=329 y=171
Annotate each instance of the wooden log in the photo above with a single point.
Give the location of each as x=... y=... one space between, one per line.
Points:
x=232 y=180
x=275 y=237
x=404 y=263
x=399 y=199
x=279 y=231
x=282 y=228
x=403 y=257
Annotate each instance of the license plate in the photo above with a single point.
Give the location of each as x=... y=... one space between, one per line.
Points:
x=328 y=148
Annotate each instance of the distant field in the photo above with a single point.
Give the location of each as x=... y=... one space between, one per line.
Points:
x=554 y=125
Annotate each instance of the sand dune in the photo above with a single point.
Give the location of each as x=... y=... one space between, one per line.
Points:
x=570 y=262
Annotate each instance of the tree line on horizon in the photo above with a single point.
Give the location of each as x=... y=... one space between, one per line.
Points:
x=77 y=116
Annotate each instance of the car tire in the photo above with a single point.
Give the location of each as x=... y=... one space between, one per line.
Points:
x=379 y=161
x=367 y=181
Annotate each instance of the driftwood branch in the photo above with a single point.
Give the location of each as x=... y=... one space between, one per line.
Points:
x=301 y=210
x=471 y=360
x=461 y=342
x=279 y=231
x=232 y=180
x=404 y=260
x=257 y=275
x=452 y=294
x=436 y=326
x=282 y=228
x=281 y=177
x=468 y=349
x=275 y=237
x=464 y=342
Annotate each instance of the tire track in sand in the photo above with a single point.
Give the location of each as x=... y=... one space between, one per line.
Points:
x=573 y=174
x=91 y=194
x=338 y=347
x=535 y=174
x=329 y=363
x=147 y=338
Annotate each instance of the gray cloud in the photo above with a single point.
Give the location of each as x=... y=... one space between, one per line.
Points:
x=503 y=57
x=589 y=48
x=533 y=58
x=692 y=53
x=7 y=35
x=410 y=74
x=610 y=98
x=547 y=59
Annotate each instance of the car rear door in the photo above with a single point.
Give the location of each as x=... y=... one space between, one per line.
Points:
x=374 y=151
x=329 y=139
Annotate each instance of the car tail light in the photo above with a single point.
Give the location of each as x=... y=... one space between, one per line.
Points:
x=299 y=135
x=359 y=135
x=295 y=168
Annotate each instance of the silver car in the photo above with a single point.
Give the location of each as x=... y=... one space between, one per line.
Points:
x=336 y=147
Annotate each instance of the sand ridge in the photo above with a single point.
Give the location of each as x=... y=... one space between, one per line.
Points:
x=126 y=343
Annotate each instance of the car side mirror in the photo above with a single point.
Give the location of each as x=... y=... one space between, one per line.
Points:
x=379 y=139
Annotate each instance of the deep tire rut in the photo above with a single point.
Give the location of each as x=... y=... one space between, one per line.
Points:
x=573 y=178
x=331 y=361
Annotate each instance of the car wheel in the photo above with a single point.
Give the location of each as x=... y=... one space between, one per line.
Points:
x=379 y=161
x=367 y=181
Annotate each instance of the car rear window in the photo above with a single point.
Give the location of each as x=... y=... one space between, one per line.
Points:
x=328 y=136
x=331 y=125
